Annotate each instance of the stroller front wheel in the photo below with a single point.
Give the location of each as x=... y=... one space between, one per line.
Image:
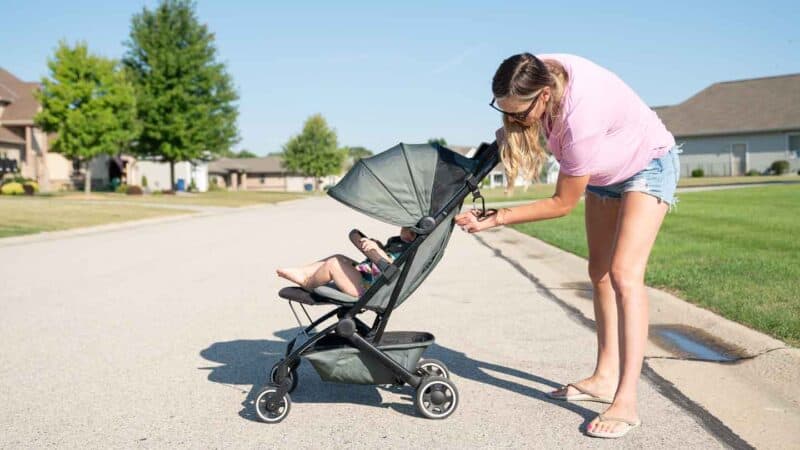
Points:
x=436 y=398
x=270 y=408
x=273 y=377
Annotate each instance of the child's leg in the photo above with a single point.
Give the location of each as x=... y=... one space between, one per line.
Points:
x=300 y=275
x=339 y=269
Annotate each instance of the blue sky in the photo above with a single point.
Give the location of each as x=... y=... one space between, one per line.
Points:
x=385 y=72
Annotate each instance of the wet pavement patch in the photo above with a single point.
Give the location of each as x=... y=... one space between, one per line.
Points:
x=694 y=343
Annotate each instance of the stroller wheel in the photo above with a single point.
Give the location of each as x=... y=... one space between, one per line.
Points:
x=270 y=408
x=433 y=368
x=436 y=398
x=273 y=377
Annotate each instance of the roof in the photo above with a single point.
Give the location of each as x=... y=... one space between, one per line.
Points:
x=265 y=164
x=735 y=107
x=8 y=136
x=23 y=106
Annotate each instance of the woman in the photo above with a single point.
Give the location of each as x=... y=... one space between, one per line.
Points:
x=614 y=148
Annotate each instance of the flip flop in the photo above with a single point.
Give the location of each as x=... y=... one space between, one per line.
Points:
x=584 y=396
x=617 y=434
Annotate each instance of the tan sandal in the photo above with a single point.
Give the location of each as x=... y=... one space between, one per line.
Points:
x=616 y=434
x=584 y=396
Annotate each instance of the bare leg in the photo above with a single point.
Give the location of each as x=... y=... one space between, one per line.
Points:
x=641 y=216
x=341 y=271
x=601 y=229
x=300 y=275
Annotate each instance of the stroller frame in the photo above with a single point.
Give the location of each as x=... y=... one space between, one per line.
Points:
x=273 y=402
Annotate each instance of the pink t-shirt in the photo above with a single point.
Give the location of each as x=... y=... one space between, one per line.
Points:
x=604 y=130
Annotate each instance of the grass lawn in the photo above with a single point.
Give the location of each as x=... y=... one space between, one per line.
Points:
x=27 y=215
x=546 y=190
x=216 y=198
x=735 y=252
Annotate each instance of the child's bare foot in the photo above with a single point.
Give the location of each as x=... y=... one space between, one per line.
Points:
x=294 y=274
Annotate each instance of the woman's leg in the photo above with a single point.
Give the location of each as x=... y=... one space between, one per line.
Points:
x=341 y=271
x=641 y=216
x=601 y=229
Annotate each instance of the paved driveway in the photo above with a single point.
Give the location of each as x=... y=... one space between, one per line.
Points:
x=160 y=335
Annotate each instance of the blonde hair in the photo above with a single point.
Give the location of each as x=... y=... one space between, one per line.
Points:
x=524 y=77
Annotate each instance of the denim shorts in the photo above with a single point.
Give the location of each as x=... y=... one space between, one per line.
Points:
x=659 y=179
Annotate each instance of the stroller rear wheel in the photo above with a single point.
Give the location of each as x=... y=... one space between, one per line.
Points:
x=273 y=376
x=436 y=398
x=271 y=408
x=433 y=368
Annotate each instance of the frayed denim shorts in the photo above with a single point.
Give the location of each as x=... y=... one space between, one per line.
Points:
x=659 y=179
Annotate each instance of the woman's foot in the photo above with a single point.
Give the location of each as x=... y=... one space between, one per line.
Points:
x=600 y=389
x=294 y=274
x=615 y=421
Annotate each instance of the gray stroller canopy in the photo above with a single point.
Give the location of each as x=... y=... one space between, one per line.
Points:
x=405 y=183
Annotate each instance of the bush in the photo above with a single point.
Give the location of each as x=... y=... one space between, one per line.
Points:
x=698 y=173
x=753 y=173
x=192 y=186
x=144 y=181
x=168 y=192
x=780 y=167
x=30 y=187
x=121 y=189
x=134 y=190
x=12 y=188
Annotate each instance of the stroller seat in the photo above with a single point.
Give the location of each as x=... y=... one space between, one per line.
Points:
x=323 y=295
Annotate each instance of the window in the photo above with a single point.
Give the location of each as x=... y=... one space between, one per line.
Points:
x=794 y=145
x=263 y=179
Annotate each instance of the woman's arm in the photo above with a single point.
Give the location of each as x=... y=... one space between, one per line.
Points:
x=569 y=190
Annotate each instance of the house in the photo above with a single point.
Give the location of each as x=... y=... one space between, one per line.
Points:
x=22 y=144
x=264 y=173
x=733 y=127
x=132 y=171
x=497 y=177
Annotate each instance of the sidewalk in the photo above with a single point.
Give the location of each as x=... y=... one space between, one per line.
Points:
x=755 y=396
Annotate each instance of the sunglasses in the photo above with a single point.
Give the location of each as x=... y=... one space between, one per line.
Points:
x=518 y=116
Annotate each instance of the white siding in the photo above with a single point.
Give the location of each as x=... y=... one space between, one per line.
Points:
x=713 y=153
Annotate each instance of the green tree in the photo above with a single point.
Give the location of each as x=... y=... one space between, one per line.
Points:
x=440 y=141
x=244 y=154
x=353 y=155
x=185 y=97
x=88 y=103
x=314 y=152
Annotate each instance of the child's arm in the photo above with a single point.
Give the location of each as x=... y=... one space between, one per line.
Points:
x=373 y=251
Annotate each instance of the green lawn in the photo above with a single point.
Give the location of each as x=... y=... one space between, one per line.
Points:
x=27 y=215
x=546 y=190
x=735 y=252
x=216 y=198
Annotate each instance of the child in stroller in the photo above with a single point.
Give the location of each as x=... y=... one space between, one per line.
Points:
x=349 y=276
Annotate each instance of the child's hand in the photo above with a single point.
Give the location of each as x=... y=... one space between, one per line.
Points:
x=368 y=245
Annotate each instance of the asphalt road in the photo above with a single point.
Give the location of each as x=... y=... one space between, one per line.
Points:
x=160 y=336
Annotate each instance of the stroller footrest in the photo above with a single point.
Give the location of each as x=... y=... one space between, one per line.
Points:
x=317 y=297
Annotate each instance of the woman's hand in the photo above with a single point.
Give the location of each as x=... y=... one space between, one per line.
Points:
x=468 y=221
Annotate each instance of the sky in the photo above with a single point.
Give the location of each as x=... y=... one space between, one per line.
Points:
x=387 y=72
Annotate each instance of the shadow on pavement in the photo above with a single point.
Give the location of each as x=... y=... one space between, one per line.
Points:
x=247 y=362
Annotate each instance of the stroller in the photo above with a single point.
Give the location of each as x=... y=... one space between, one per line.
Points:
x=421 y=187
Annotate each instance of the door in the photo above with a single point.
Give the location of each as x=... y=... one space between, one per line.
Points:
x=738 y=159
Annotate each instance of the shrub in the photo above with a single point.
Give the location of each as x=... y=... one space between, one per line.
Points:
x=144 y=181
x=168 y=192
x=30 y=187
x=192 y=186
x=698 y=173
x=121 y=189
x=753 y=173
x=780 y=167
x=12 y=188
x=134 y=190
